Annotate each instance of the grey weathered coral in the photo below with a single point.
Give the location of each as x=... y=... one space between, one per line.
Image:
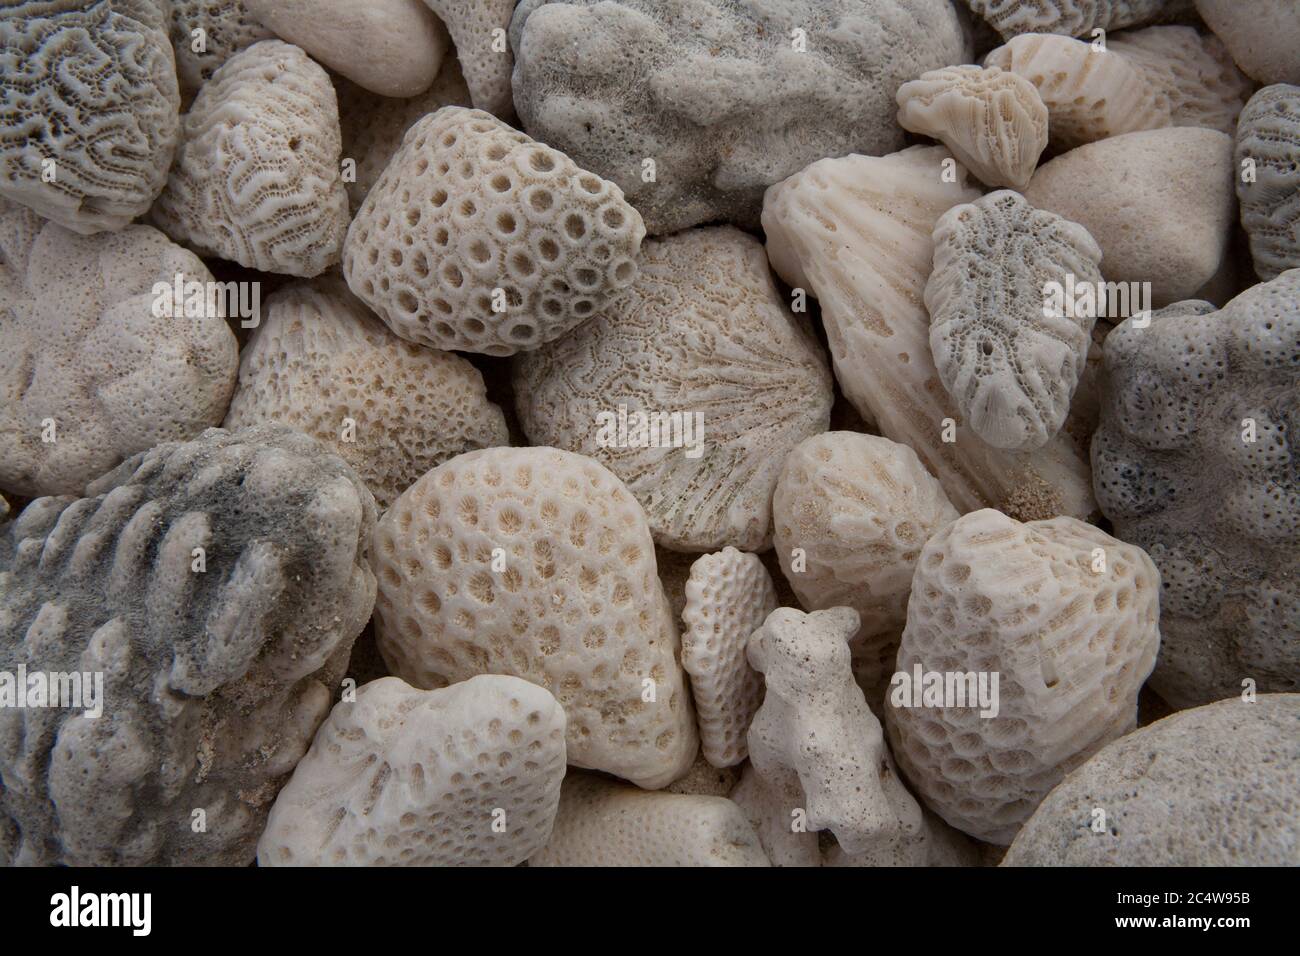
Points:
x=464 y=776
x=206 y=35
x=1262 y=37
x=1268 y=141
x=856 y=233
x=89 y=116
x=216 y=586
x=1010 y=361
x=694 y=115
x=257 y=178
x=538 y=563
x=478 y=28
x=95 y=364
x=1063 y=617
x=1073 y=18
x=477 y=238
x=691 y=388
x=994 y=121
x=320 y=361
x=1217 y=785
x=1194 y=461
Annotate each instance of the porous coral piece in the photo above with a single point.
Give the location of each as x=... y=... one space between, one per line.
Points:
x=257 y=178
x=728 y=596
x=776 y=810
x=216 y=586
x=477 y=238
x=1168 y=211
x=1268 y=143
x=392 y=410
x=691 y=388
x=1065 y=615
x=89 y=116
x=1009 y=357
x=856 y=233
x=604 y=823
x=814 y=733
x=1073 y=18
x=391 y=47
x=1262 y=38
x=1193 y=73
x=1194 y=462
x=374 y=126
x=1229 y=771
x=1090 y=94
x=694 y=109
x=994 y=122
x=94 y=365
x=464 y=776
x=538 y=563
x=851 y=513
x=226 y=28
x=478 y=28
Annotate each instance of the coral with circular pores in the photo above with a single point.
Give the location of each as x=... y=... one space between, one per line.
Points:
x=206 y=35
x=694 y=110
x=95 y=365
x=464 y=776
x=538 y=563
x=1041 y=635
x=1009 y=359
x=89 y=116
x=1194 y=462
x=1073 y=18
x=478 y=28
x=477 y=238
x=691 y=388
x=213 y=588
x=1268 y=146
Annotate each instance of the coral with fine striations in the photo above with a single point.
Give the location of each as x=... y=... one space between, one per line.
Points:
x=1262 y=36
x=478 y=28
x=322 y=363
x=1090 y=94
x=217 y=586
x=1194 y=461
x=994 y=122
x=538 y=563
x=694 y=109
x=227 y=27
x=691 y=388
x=1217 y=785
x=728 y=596
x=478 y=238
x=391 y=47
x=257 y=178
x=856 y=232
x=1269 y=138
x=1065 y=616
x=1075 y=18
x=94 y=367
x=1010 y=362
x=89 y=112
x=605 y=823
x=1168 y=211
x=464 y=776
x=851 y=513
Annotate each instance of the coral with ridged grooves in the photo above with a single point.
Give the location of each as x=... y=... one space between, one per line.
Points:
x=1268 y=139
x=226 y=29
x=1075 y=18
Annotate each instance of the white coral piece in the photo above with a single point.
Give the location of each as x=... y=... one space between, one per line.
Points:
x=478 y=28
x=1269 y=138
x=1073 y=18
x=227 y=27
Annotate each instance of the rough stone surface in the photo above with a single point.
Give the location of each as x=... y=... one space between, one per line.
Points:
x=1269 y=136
x=1263 y=38
x=478 y=28
x=228 y=27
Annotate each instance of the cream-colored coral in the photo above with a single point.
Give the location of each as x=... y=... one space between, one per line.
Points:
x=257 y=179
x=994 y=122
x=478 y=238
x=392 y=410
x=1064 y=617
x=206 y=35
x=728 y=596
x=464 y=776
x=856 y=233
x=1072 y=18
x=538 y=563
x=478 y=28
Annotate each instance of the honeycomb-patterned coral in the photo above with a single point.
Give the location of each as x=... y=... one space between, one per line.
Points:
x=1073 y=18
x=728 y=596
x=705 y=336
x=464 y=776
x=538 y=563
x=257 y=179
x=1269 y=137
x=89 y=96
x=1010 y=358
x=1194 y=461
x=227 y=28
x=486 y=56
x=1066 y=616
x=478 y=238
x=321 y=362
